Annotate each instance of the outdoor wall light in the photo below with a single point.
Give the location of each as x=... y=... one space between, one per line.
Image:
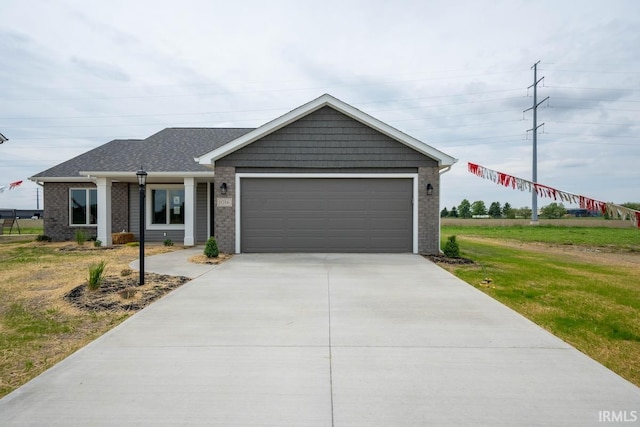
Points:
x=223 y=188
x=429 y=189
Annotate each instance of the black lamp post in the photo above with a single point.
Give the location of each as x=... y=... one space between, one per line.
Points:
x=142 y=180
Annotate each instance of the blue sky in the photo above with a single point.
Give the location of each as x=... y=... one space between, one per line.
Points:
x=453 y=74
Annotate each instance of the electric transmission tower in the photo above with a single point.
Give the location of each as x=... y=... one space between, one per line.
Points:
x=534 y=130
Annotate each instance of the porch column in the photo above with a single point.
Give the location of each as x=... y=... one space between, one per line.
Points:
x=190 y=212
x=104 y=210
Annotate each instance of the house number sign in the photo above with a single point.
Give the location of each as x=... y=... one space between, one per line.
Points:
x=224 y=202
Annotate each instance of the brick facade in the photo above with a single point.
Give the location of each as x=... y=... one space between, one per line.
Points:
x=428 y=211
x=225 y=217
x=56 y=212
x=119 y=207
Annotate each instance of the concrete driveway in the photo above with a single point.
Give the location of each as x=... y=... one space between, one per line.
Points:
x=326 y=340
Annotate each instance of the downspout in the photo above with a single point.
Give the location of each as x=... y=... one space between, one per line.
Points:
x=445 y=170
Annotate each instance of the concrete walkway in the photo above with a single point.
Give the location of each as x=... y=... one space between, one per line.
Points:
x=324 y=340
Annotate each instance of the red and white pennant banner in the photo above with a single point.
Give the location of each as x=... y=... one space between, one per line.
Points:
x=614 y=211
x=10 y=186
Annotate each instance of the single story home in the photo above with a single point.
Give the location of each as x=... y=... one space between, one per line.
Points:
x=324 y=177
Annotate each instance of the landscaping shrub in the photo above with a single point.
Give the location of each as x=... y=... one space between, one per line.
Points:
x=168 y=242
x=211 y=248
x=97 y=243
x=451 y=248
x=96 y=275
x=43 y=238
x=81 y=237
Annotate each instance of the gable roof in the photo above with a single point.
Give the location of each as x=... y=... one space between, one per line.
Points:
x=170 y=150
x=444 y=160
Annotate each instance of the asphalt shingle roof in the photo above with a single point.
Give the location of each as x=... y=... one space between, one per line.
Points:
x=170 y=150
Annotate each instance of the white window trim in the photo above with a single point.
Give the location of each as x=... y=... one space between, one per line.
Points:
x=413 y=176
x=86 y=224
x=149 y=208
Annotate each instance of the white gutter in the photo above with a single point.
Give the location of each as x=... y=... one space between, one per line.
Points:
x=150 y=174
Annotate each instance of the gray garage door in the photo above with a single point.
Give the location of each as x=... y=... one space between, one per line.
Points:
x=326 y=215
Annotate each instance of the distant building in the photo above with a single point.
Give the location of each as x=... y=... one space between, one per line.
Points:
x=582 y=212
x=21 y=213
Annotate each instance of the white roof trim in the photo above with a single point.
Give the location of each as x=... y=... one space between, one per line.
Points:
x=87 y=176
x=152 y=174
x=443 y=159
x=38 y=179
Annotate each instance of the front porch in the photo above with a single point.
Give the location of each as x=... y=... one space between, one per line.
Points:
x=185 y=203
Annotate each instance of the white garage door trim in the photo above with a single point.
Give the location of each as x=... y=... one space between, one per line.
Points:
x=413 y=176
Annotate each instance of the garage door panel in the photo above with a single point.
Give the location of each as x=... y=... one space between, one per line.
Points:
x=307 y=224
x=389 y=224
x=326 y=215
x=347 y=224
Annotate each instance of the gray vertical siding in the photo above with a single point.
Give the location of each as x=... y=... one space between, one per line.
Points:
x=201 y=213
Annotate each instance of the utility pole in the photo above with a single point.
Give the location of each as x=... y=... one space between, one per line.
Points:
x=534 y=129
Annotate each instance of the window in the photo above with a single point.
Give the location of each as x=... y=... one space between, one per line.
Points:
x=167 y=206
x=83 y=206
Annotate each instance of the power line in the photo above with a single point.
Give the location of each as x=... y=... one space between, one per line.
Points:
x=592 y=123
x=594 y=88
x=593 y=109
x=596 y=100
x=264 y=110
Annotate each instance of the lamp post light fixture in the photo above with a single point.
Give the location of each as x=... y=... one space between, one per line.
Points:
x=429 y=189
x=142 y=181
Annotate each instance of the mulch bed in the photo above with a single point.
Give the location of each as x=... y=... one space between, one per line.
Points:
x=442 y=259
x=123 y=293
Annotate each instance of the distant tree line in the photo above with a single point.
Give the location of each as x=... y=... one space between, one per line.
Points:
x=478 y=208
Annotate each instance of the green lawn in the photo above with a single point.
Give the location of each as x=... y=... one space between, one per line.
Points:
x=619 y=238
x=595 y=306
